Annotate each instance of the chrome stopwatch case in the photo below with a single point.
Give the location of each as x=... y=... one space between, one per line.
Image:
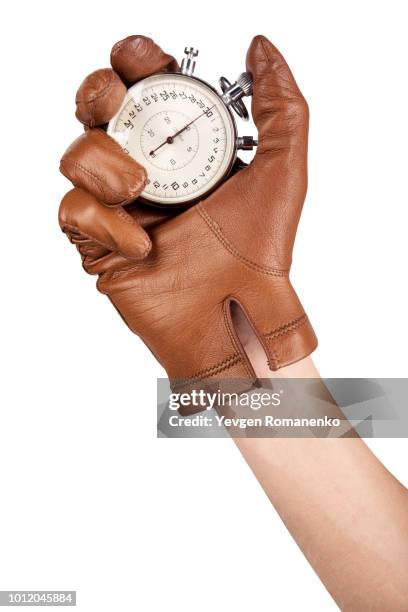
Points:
x=182 y=131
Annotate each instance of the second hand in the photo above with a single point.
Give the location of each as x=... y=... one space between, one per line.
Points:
x=170 y=139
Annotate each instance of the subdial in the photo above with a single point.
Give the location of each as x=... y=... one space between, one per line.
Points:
x=163 y=146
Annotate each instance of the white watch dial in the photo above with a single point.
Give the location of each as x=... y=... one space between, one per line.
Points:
x=180 y=131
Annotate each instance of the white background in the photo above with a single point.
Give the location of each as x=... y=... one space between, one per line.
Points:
x=89 y=498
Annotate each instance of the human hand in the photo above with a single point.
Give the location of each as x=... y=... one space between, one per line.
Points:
x=234 y=247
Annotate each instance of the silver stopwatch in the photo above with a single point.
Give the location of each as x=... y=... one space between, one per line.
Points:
x=182 y=131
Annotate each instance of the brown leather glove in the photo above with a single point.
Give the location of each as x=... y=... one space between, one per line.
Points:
x=175 y=288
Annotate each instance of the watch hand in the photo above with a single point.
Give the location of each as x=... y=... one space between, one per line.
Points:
x=170 y=139
x=191 y=122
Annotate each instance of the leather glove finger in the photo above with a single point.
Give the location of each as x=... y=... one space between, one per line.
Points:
x=279 y=109
x=137 y=57
x=270 y=192
x=109 y=179
x=106 y=237
x=97 y=163
x=100 y=95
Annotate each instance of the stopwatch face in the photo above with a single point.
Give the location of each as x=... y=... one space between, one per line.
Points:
x=178 y=128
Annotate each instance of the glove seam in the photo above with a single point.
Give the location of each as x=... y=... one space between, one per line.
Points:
x=291 y=326
x=113 y=143
x=216 y=230
x=286 y=328
x=74 y=228
x=216 y=369
x=102 y=93
x=124 y=198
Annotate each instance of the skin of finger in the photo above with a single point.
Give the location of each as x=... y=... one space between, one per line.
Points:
x=82 y=216
x=99 y=97
x=137 y=57
x=98 y=164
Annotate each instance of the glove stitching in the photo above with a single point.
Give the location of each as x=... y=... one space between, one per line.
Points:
x=95 y=179
x=92 y=122
x=108 y=144
x=226 y=243
x=124 y=216
x=124 y=198
x=216 y=369
x=110 y=248
x=74 y=228
x=103 y=92
x=286 y=328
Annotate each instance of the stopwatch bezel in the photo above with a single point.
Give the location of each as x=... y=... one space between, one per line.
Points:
x=234 y=149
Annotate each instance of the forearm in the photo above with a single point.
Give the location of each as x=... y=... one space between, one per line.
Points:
x=347 y=513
